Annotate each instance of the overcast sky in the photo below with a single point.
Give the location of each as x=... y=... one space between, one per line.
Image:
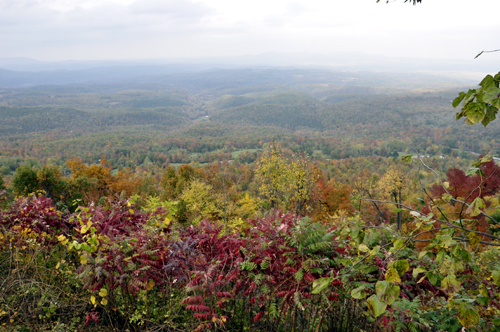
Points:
x=155 y=29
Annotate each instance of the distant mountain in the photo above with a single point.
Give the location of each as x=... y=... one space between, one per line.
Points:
x=338 y=60
x=220 y=81
x=32 y=65
x=354 y=61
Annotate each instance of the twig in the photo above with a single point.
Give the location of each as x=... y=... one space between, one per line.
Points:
x=441 y=221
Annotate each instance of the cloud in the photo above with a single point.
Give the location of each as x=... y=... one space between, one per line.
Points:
x=177 y=9
x=83 y=29
x=33 y=28
x=295 y=9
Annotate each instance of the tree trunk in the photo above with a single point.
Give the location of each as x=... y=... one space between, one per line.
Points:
x=400 y=213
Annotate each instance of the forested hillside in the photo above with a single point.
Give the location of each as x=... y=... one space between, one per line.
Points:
x=203 y=116
x=239 y=200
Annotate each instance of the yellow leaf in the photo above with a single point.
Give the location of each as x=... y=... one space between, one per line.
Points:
x=92 y=299
x=57 y=266
x=474 y=238
x=151 y=284
x=363 y=248
x=104 y=301
x=131 y=211
x=103 y=292
x=392 y=275
x=83 y=260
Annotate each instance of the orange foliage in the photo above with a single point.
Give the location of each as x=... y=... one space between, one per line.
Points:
x=101 y=181
x=333 y=197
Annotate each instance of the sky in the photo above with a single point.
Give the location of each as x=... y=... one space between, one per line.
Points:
x=54 y=30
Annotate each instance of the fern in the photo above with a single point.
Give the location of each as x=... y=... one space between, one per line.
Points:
x=258 y=279
x=247 y=265
x=317 y=270
x=299 y=275
x=265 y=263
x=296 y=299
x=273 y=310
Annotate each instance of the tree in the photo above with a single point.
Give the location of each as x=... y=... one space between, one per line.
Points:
x=286 y=180
x=223 y=185
x=271 y=172
x=2 y=183
x=199 y=201
x=174 y=183
x=169 y=183
x=394 y=185
x=336 y=197
x=50 y=180
x=25 y=181
x=365 y=185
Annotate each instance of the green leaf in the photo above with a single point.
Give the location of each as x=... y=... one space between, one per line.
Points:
x=445 y=240
x=247 y=265
x=487 y=81
x=485 y=159
x=376 y=306
x=367 y=268
x=459 y=99
x=321 y=284
x=450 y=284
x=359 y=293
x=447 y=197
x=433 y=277
x=386 y=291
x=417 y=271
x=475 y=206
x=477 y=56
x=299 y=275
x=492 y=96
x=483 y=300
x=392 y=275
x=475 y=113
x=469 y=97
x=398 y=243
x=496 y=277
x=491 y=114
x=463 y=254
x=401 y=266
x=422 y=254
x=397 y=210
x=440 y=257
x=407 y=158
x=473 y=171
x=468 y=316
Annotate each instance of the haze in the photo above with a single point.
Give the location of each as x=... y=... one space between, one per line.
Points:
x=54 y=30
